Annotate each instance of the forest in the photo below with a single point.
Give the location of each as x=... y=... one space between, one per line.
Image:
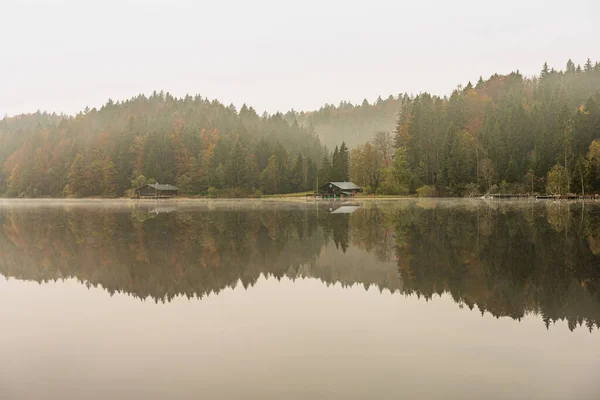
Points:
x=506 y=134
x=191 y=142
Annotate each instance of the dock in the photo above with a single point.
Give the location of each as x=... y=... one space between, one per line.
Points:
x=505 y=196
x=508 y=196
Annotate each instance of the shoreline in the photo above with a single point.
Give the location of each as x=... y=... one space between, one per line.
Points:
x=205 y=199
x=273 y=198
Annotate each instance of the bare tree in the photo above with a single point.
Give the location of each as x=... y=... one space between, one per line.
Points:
x=384 y=143
x=486 y=168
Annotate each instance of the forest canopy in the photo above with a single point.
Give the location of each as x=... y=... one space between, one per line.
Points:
x=192 y=142
x=509 y=133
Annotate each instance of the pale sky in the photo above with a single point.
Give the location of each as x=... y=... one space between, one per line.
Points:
x=275 y=55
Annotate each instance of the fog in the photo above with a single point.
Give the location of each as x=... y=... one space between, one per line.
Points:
x=66 y=55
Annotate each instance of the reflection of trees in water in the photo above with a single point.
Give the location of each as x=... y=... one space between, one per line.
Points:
x=161 y=256
x=505 y=258
x=337 y=228
x=372 y=230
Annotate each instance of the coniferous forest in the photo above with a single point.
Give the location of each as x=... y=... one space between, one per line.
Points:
x=509 y=133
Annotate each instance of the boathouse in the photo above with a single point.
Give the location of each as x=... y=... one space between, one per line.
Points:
x=339 y=189
x=157 y=191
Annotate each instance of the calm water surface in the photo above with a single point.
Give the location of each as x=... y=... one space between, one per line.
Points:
x=279 y=300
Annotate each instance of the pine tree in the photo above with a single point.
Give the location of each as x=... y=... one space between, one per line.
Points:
x=297 y=174
x=336 y=166
x=344 y=156
x=325 y=168
x=545 y=71
x=270 y=178
x=311 y=174
x=480 y=83
x=237 y=167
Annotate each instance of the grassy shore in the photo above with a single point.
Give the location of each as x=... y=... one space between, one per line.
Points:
x=299 y=195
x=358 y=197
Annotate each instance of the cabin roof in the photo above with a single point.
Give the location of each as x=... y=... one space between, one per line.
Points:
x=158 y=186
x=343 y=185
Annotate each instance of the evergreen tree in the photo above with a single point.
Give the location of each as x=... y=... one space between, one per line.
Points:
x=237 y=167
x=270 y=177
x=325 y=173
x=337 y=167
x=298 y=175
x=311 y=175
x=344 y=156
x=480 y=83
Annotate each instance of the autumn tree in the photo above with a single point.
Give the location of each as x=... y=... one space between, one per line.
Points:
x=366 y=167
x=383 y=143
x=77 y=184
x=487 y=172
x=110 y=183
x=557 y=181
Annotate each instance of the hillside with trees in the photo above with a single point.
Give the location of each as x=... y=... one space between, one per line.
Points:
x=508 y=133
x=201 y=146
x=505 y=134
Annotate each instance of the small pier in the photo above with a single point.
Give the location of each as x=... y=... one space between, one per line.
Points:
x=505 y=196
x=568 y=197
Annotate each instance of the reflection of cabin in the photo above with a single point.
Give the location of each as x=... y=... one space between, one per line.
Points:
x=345 y=210
x=157 y=191
x=343 y=207
x=156 y=207
x=338 y=189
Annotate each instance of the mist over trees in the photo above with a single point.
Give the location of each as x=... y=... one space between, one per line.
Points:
x=201 y=146
x=505 y=134
x=508 y=133
x=350 y=123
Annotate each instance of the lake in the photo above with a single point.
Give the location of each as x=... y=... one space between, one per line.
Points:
x=262 y=299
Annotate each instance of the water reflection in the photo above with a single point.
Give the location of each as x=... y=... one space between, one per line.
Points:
x=507 y=259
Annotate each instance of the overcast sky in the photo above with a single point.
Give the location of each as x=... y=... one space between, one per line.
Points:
x=276 y=55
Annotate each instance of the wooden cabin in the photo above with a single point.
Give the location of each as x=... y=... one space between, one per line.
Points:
x=339 y=189
x=157 y=191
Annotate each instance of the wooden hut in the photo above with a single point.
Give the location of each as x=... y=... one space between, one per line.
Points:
x=157 y=191
x=339 y=189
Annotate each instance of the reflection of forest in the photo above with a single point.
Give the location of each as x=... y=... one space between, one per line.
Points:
x=505 y=258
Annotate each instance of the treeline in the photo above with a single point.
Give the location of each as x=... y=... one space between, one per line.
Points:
x=505 y=134
x=199 y=145
x=509 y=133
